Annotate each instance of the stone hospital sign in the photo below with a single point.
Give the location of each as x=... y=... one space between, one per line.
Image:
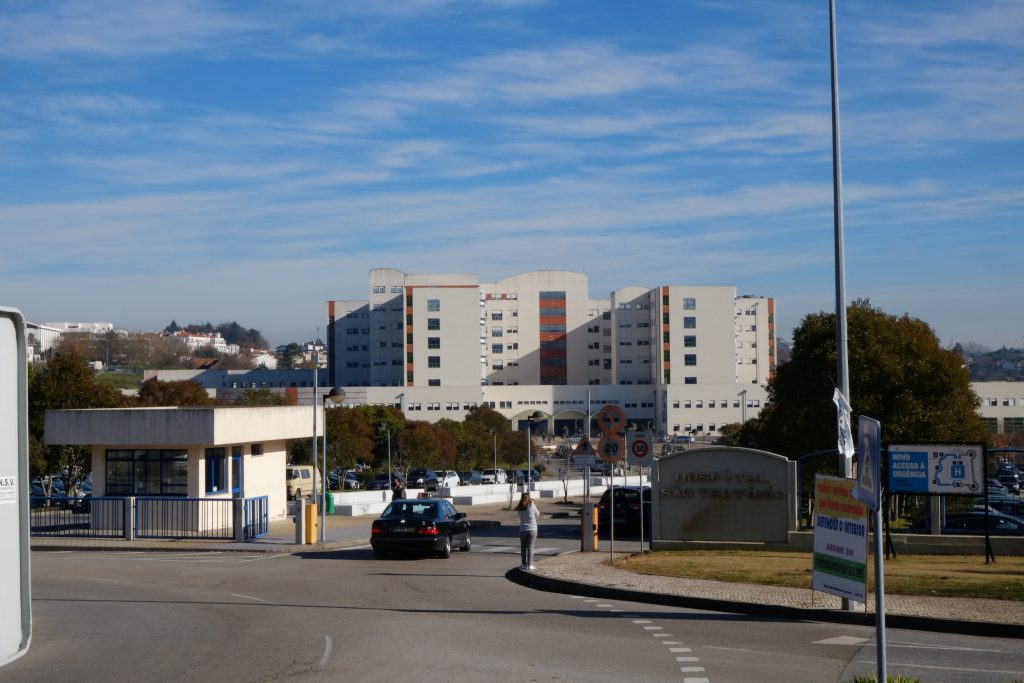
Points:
x=724 y=494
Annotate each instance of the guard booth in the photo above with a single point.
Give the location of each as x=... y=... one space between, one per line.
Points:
x=192 y=454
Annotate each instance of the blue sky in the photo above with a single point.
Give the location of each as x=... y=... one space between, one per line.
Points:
x=208 y=161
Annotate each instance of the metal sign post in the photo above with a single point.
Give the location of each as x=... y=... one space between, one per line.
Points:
x=640 y=452
x=869 y=492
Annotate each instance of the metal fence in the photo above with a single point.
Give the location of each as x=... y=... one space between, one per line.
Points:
x=257 y=517
x=64 y=516
x=106 y=517
x=206 y=518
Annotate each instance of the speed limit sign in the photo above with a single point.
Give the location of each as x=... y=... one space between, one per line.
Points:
x=611 y=448
x=639 y=448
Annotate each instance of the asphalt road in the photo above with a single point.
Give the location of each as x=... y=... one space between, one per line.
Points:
x=200 y=616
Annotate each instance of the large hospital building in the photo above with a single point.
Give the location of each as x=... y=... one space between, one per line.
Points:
x=680 y=359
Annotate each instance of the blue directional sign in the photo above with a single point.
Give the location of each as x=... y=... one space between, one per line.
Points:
x=936 y=468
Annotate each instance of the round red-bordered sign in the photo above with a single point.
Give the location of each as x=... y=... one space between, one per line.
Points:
x=640 y=449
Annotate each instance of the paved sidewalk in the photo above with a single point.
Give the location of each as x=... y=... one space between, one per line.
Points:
x=590 y=574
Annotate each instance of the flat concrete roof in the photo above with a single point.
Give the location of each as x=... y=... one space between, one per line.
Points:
x=179 y=426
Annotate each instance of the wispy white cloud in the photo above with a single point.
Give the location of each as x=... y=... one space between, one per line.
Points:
x=111 y=29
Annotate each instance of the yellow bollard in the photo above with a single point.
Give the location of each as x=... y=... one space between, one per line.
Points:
x=588 y=528
x=312 y=521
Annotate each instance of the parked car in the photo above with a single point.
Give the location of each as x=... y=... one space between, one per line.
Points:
x=470 y=477
x=299 y=480
x=520 y=475
x=974 y=523
x=381 y=482
x=1009 y=506
x=448 y=479
x=1010 y=480
x=627 y=507
x=494 y=476
x=424 y=525
x=425 y=479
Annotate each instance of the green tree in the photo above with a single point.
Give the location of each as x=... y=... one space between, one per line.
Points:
x=899 y=375
x=349 y=438
x=290 y=357
x=64 y=382
x=261 y=397
x=178 y=393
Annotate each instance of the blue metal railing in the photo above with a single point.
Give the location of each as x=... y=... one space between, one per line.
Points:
x=257 y=517
x=70 y=516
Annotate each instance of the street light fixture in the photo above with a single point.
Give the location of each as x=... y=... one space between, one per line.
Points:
x=337 y=397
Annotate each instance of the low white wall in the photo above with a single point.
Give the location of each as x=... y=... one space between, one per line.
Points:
x=359 y=503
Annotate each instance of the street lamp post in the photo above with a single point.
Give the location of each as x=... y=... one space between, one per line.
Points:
x=494 y=437
x=337 y=397
x=388 y=432
x=535 y=417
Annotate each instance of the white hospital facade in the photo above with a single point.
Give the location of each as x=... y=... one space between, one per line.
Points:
x=681 y=359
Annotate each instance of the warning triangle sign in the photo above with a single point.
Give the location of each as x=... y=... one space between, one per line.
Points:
x=584 y=447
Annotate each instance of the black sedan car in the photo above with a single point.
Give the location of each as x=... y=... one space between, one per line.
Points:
x=423 y=525
x=627 y=508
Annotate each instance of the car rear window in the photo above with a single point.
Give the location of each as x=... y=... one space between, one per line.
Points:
x=410 y=508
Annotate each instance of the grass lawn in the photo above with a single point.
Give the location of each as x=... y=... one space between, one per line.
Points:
x=962 y=576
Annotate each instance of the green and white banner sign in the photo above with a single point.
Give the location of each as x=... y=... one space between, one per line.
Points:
x=840 y=539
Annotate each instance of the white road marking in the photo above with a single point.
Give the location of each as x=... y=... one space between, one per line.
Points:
x=679 y=649
x=602 y=605
x=652 y=628
x=947 y=668
x=642 y=621
x=690 y=679
x=738 y=649
x=691 y=669
x=687 y=659
x=252 y=597
x=842 y=640
x=90 y=578
x=662 y=635
x=327 y=650
x=514 y=550
x=926 y=646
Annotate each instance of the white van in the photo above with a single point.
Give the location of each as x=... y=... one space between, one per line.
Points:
x=498 y=476
x=299 y=479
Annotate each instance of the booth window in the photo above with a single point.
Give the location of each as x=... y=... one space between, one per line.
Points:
x=216 y=470
x=147 y=472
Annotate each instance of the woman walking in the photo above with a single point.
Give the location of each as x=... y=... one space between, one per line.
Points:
x=528 y=514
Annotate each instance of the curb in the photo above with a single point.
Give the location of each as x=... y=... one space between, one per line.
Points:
x=904 y=621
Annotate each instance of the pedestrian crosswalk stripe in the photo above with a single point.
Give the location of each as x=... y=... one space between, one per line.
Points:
x=514 y=550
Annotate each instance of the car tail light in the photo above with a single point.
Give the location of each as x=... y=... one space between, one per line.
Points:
x=431 y=530
x=379 y=531
x=634 y=506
